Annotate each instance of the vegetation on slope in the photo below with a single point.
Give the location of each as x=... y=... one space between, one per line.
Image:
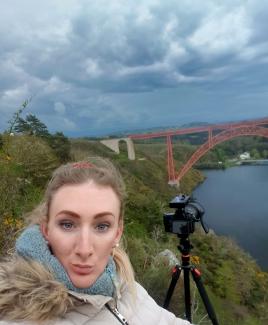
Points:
x=236 y=285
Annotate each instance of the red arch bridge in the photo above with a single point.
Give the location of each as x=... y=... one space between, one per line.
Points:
x=216 y=134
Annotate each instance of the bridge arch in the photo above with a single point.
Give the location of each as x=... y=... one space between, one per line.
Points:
x=219 y=138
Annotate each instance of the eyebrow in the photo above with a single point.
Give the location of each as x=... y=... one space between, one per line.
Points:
x=76 y=215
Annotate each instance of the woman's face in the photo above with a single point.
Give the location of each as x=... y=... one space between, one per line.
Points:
x=82 y=230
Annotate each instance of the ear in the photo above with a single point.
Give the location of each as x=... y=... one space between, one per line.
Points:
x=119 y=231
x=44 y=229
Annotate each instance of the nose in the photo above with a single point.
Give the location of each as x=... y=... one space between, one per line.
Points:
x=84 y=244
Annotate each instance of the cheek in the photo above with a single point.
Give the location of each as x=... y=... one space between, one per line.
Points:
x=105 y=247
x=59 y=245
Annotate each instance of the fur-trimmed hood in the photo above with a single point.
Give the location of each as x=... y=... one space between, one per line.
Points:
x=29 y=292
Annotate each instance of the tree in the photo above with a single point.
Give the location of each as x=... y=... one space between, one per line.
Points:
x=265 y=154
x=12 y=122
x=16 y=116
x=220 y=154
x=32 y=126
x=61 y=146
x=58 y=142
x=255 y=154
x=38 y=128
x=22 y=126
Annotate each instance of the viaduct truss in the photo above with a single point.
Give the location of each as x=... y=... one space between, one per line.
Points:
x=216 y=134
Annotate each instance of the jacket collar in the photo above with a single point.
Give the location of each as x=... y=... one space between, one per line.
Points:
x=97 y=301
x=82 y=301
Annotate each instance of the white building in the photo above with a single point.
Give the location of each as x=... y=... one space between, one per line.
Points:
x=244 y=155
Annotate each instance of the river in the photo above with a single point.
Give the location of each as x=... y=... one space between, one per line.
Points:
x=236 y=205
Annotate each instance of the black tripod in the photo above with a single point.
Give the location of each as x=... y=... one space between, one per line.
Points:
x=186 y=267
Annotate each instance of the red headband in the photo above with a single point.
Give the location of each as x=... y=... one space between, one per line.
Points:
x=83 y=165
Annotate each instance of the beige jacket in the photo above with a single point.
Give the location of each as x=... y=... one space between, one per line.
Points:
x=29 y=292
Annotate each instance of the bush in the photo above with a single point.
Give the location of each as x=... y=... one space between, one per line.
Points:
x=32 y=156
x=61 y=146
x=26 y=163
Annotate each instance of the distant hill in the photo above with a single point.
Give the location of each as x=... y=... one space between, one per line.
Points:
x=125 y=133
x=194 y=124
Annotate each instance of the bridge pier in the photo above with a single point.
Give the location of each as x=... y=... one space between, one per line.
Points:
x=113 y=144
x=174 y=183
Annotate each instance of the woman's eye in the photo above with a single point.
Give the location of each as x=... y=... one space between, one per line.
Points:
x=66 y=225
x=103 y=227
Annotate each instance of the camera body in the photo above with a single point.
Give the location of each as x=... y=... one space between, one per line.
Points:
x=182 y=221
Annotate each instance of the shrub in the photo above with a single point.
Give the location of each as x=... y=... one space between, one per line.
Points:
x=33 y=156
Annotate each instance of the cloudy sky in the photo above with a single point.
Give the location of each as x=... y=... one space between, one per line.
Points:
x=93 y=67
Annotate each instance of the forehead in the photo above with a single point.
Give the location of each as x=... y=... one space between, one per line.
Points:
x=87 y=197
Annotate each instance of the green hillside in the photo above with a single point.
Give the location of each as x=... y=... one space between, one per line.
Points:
x=236 y=285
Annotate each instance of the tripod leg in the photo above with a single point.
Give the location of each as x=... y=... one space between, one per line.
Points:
x=187 y=294
x=202 y=291
x=175 y=276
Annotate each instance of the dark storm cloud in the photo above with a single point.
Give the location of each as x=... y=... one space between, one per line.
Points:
x=92 y=66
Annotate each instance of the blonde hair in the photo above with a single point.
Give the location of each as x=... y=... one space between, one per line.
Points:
x=102 y=172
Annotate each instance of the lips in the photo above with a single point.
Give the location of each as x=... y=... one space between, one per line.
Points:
x=82 y=269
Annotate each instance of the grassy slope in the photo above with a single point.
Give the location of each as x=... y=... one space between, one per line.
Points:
x=236 y=285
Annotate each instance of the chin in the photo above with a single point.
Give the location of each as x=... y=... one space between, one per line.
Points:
x=82 y=283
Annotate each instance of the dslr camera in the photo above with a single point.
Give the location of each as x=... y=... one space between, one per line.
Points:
x=187 y=212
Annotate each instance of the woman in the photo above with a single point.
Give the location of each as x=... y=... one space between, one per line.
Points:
x=68 y=267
